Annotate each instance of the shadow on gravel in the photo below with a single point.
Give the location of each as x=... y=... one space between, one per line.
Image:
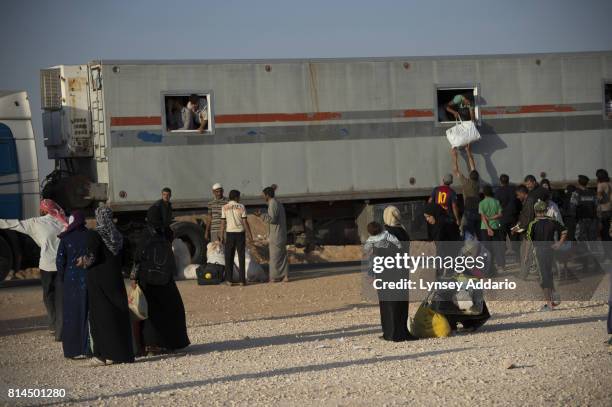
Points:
x=495 y=317
x=307 y=271
x=23 y=325
x=541 y=324
x=258 y=375
x=281 y=317
x=300 y=337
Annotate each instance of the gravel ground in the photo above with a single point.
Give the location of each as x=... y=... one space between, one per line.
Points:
x=314 y=342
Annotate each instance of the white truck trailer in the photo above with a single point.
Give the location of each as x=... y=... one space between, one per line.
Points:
x=19 y=186
x=336 y=135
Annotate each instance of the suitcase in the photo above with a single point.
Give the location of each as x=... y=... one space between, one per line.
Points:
x=210 y=274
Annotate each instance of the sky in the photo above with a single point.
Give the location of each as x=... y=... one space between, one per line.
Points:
x=39 y=34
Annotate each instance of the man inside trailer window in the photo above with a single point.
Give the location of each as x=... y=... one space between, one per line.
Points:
x=174 y=109
x=461 y=106
x=194 y=116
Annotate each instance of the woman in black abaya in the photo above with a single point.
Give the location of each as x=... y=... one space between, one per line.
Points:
x=109 y=316
x=165 y=329
x=393 y=305
x=394 y=309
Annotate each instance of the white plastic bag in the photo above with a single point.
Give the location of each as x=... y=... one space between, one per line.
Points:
x=137 y=303
x=189 y=272
x=254 y=272
x=215 y=253
x=182 y=257
x=462 y=134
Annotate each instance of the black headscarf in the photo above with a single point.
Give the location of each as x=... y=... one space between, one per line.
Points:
x=154 y=219
x=76 y=222
x=435 y=231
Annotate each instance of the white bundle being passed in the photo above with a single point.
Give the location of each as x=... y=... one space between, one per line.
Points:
x=462 y=133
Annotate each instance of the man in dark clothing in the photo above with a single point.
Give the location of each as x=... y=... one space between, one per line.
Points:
x=536 y=191
x=525 y=218
x=568 y=210
x=471 y=193
x=506 y=195
x=586 y=219
x=541 y=232
x=165 y=209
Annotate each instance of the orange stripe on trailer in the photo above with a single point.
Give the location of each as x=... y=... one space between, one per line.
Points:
x=529 y=109
x=324 y=116
x=277 y=117
x=136 y=121
x=417 y=113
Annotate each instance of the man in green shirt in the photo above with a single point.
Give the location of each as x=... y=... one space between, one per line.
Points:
x=461 y=107
x=490 y=234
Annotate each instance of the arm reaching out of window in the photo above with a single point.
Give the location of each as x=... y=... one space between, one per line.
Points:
x=451 y=110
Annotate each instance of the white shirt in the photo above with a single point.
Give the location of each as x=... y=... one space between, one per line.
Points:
x=233 y=213
x=43 y=230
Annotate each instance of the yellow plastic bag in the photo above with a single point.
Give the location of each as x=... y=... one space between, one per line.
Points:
x=138 y=304
x=428 y=323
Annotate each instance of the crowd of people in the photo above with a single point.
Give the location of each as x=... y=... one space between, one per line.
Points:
x=533 y=221
x=84 y=291
x=87 y=303
x=83 y=287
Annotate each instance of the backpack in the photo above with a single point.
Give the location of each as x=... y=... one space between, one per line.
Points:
x=157 y=265
x=587 y=204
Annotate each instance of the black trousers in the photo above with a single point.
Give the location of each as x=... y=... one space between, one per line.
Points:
x=544 y=256
x=515 y=239
x=53 y=299
x=235 y=241
x=495 y=245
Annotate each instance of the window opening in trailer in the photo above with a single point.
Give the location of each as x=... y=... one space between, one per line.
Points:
x=188 y=113
x=455 y=102
x=608 y=100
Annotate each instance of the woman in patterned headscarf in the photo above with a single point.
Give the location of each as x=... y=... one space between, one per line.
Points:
x=109 y=314
x=393 y=304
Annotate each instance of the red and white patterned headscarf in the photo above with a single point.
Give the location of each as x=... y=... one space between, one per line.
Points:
x=53 y=209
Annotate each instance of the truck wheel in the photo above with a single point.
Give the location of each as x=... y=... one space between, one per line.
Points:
x=6 y=258
x=193 y=236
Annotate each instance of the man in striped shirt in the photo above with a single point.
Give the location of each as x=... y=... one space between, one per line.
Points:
x=213 y=227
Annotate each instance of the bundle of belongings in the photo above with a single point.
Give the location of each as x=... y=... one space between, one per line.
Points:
x=214 y=271
x=443 y=309
x=462 y=133
x=182 y=257
x=465 y=306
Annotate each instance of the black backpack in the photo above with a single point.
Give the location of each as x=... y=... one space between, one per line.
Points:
x=157 y=264
x=587 y=204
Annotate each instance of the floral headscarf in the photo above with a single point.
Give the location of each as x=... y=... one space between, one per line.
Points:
x=108 y=231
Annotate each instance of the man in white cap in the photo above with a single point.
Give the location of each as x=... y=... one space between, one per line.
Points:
x=213 y=226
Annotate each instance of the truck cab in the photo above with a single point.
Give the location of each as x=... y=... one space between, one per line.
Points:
x=19 y=186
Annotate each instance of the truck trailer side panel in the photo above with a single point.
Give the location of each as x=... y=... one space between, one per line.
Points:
x=347 y=128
